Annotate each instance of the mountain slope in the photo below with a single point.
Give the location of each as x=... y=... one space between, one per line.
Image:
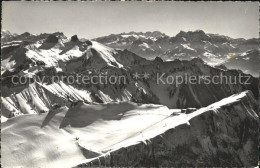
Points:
x=85 y=130
x=247 y=62
x=21 y=99
x=51 y=146
x=222 y=134
x=53 y=50
x=164 y=81
x=53 y=55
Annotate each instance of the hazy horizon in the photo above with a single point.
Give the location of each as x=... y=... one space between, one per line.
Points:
x=96 y=19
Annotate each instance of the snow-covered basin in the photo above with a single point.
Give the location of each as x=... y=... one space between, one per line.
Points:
x=98 y=128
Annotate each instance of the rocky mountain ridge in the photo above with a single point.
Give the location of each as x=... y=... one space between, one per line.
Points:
x=56 y=55
x=212 y=48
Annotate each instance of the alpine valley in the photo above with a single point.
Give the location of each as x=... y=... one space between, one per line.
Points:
x=136 y=123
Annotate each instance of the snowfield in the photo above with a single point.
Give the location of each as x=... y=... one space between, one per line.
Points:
x=68 y=137
x=186 y=46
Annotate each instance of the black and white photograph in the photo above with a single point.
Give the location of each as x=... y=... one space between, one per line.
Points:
x=129 y=84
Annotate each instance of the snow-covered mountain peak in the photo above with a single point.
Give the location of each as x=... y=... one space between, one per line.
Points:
x=212 y=48
x=5 y=34
x=52 y=50
x=106 y=54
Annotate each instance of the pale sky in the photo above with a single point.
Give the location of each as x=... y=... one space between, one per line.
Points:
x=95 y=19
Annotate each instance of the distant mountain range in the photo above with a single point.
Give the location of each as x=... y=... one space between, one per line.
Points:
x=212 y=48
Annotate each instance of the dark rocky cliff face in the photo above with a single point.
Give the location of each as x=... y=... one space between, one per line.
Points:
x=225 y=136
x=74 y=38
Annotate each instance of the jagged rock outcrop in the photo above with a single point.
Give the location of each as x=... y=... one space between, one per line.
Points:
x=50 y=42
x=158 y=60
x=74 y=38
x=52 y=39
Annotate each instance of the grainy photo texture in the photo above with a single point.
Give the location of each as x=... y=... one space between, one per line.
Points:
x=129 y=84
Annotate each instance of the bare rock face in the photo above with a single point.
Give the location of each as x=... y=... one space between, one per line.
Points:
x=74 y=38
x=49 y=43
x=52 y=39
x=89 y=43
x=158 y=59
x=225 y=136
